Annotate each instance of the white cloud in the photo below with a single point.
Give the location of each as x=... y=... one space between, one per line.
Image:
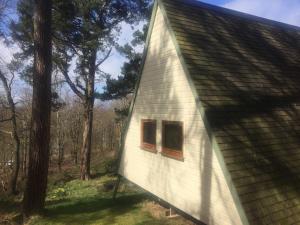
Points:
x=113 y=64
x=6 y=52
x=126 y=34
x=286 y=11
x=6 y=55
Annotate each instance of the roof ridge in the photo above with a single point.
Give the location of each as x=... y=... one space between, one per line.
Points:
x=236 y=13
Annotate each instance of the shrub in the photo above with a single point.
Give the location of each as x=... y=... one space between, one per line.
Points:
x=58 y=193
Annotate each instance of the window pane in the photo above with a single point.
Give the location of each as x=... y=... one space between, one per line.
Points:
x=173 y=136
x=149 y=132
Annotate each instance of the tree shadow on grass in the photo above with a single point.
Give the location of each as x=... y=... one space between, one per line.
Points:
x=89 y=210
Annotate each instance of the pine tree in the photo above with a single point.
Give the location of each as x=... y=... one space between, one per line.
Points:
x=36 y=185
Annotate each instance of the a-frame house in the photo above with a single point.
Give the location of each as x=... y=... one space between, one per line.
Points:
x=214 y=127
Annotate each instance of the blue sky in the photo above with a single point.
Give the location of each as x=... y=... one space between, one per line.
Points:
x=217 y=2
x=287 y=11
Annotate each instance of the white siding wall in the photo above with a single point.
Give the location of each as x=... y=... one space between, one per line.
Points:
x=197 y=186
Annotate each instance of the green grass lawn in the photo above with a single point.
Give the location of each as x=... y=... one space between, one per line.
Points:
x=74 y=202
x=89 y=202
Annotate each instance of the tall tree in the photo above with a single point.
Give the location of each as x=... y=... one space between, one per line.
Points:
x=35 y=191
x=91 y=41
x=84 y=32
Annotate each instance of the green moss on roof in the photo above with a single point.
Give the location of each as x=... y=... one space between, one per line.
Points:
x=246 y=71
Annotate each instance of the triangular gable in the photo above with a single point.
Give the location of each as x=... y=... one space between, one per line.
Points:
x=191 y=84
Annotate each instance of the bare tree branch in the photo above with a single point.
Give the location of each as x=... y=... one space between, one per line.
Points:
x=5 y=85
x=14 y=133
x=79 y=85
x=70 y=82
x=104 y=59
x=11 y=79
x=66 y=42
x=6 y=132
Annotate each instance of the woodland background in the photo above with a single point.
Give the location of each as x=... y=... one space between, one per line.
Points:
x=89 y=107
x=62 y=115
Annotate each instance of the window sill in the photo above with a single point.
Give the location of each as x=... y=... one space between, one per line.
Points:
x=152 y=150
x=173 y=154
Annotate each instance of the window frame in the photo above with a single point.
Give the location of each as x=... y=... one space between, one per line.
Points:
x=144 y=145
x=172 y=153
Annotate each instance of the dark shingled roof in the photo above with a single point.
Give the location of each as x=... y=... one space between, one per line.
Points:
x=246 y=71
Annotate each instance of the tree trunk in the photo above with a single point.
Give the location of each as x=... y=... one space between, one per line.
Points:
x=75 y=155
x=24 y=149
x=59 y=141
x=74 y=152
x=87 y=142
x=14 y=179
x=60 y=156
x=88 y=120
x=35 y=191
x=24 y=156
x=75 y=133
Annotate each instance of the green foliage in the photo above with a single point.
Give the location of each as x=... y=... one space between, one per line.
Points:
x=22 y=33
x=58 y=193
x=124 y=84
